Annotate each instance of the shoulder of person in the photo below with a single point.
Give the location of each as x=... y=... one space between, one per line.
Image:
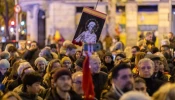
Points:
x=111 y=95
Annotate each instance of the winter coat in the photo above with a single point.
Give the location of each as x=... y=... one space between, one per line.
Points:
x=112 y=94
x=26 y=96
x=99 y=81
x=51 y=94
x=153 y=85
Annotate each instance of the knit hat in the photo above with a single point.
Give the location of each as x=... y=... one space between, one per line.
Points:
x=60 y=72
x=4 y=63
x=40 y=59
x=5 y=55
x=108 y=54
x=64 y=59
x=153 y=57
x=79 y=62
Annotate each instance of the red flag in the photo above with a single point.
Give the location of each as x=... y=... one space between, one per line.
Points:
x=88 y=86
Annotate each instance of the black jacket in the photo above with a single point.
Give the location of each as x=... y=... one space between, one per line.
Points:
x=51 y=94
x=99 y=81
x=153 y=85
x=111 y=95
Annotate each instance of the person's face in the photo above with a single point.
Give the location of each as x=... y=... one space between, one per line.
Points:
x=64 y=83
x=149 y=37
x=78 y=68
x=117 y=59
x=108 y=59
x=165 y=49
x=140 y=87
x=146 y=70
x=12 y=98
x=33 y=46
x=157 y=65
x=23 y=45
x=78 y=55
x=56 y=65
x=77 y=85
x=67 y=64
x=72 y=52
x=34 y=88
x=125 y=80
x=134 y=51
x=41 y=66
x=95 y=65
x=169 y=36
x=3 y=70
x=161 y=68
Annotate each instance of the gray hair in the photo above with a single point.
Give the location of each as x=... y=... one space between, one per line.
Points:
x=146 y=60
x=134 y=95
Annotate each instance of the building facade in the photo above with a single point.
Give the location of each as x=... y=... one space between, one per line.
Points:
x=45 y=17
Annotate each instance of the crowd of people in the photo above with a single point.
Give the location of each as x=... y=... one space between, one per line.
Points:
x=140 y=72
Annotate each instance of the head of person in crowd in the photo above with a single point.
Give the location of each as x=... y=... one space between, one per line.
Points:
x=139 y=56
x=79 y=64
x=11 y=96
x=7 y=46
x=122 y=77
x=135 y=95
x=15 y=66
x=119 y=57
x=78 y=54
x=140 y=85
x=46 y=53
x=146 y=68
x=51 y=84
x=41 y=64
x=156 y=59
x=165 y=49
x=53 y=48
x=170 y=36
x=4 y=65
x=13 y=51
x=95 y=64
x=135 y=49
x=62 y=80
x=128 y=52
x=66 y=62
x=4 y=55
x=22 y=45
x=33 y=45
x=77 y=79
x=71 y=50
x=24 y=68
x=165 y=92
x=108 y=58
x=154 y=50
x=31 y=83
x=53 y=64
x=149 y=36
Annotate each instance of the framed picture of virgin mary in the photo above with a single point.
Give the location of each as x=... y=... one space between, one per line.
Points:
x=90 y=26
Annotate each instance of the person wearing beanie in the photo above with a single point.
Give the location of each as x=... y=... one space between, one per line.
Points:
x=4 y=55
x=108 y=60
x=62 y=90
x=4 y=65
x=41 y=64
x=79 y=64
x=66 y=63
x=31 y=86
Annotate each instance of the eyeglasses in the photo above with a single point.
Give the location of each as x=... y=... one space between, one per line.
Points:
x=78 y=82
x=67 y=63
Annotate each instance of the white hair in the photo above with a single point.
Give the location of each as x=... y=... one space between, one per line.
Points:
x=146 y=60
x=22 y=66
x=135 y=95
